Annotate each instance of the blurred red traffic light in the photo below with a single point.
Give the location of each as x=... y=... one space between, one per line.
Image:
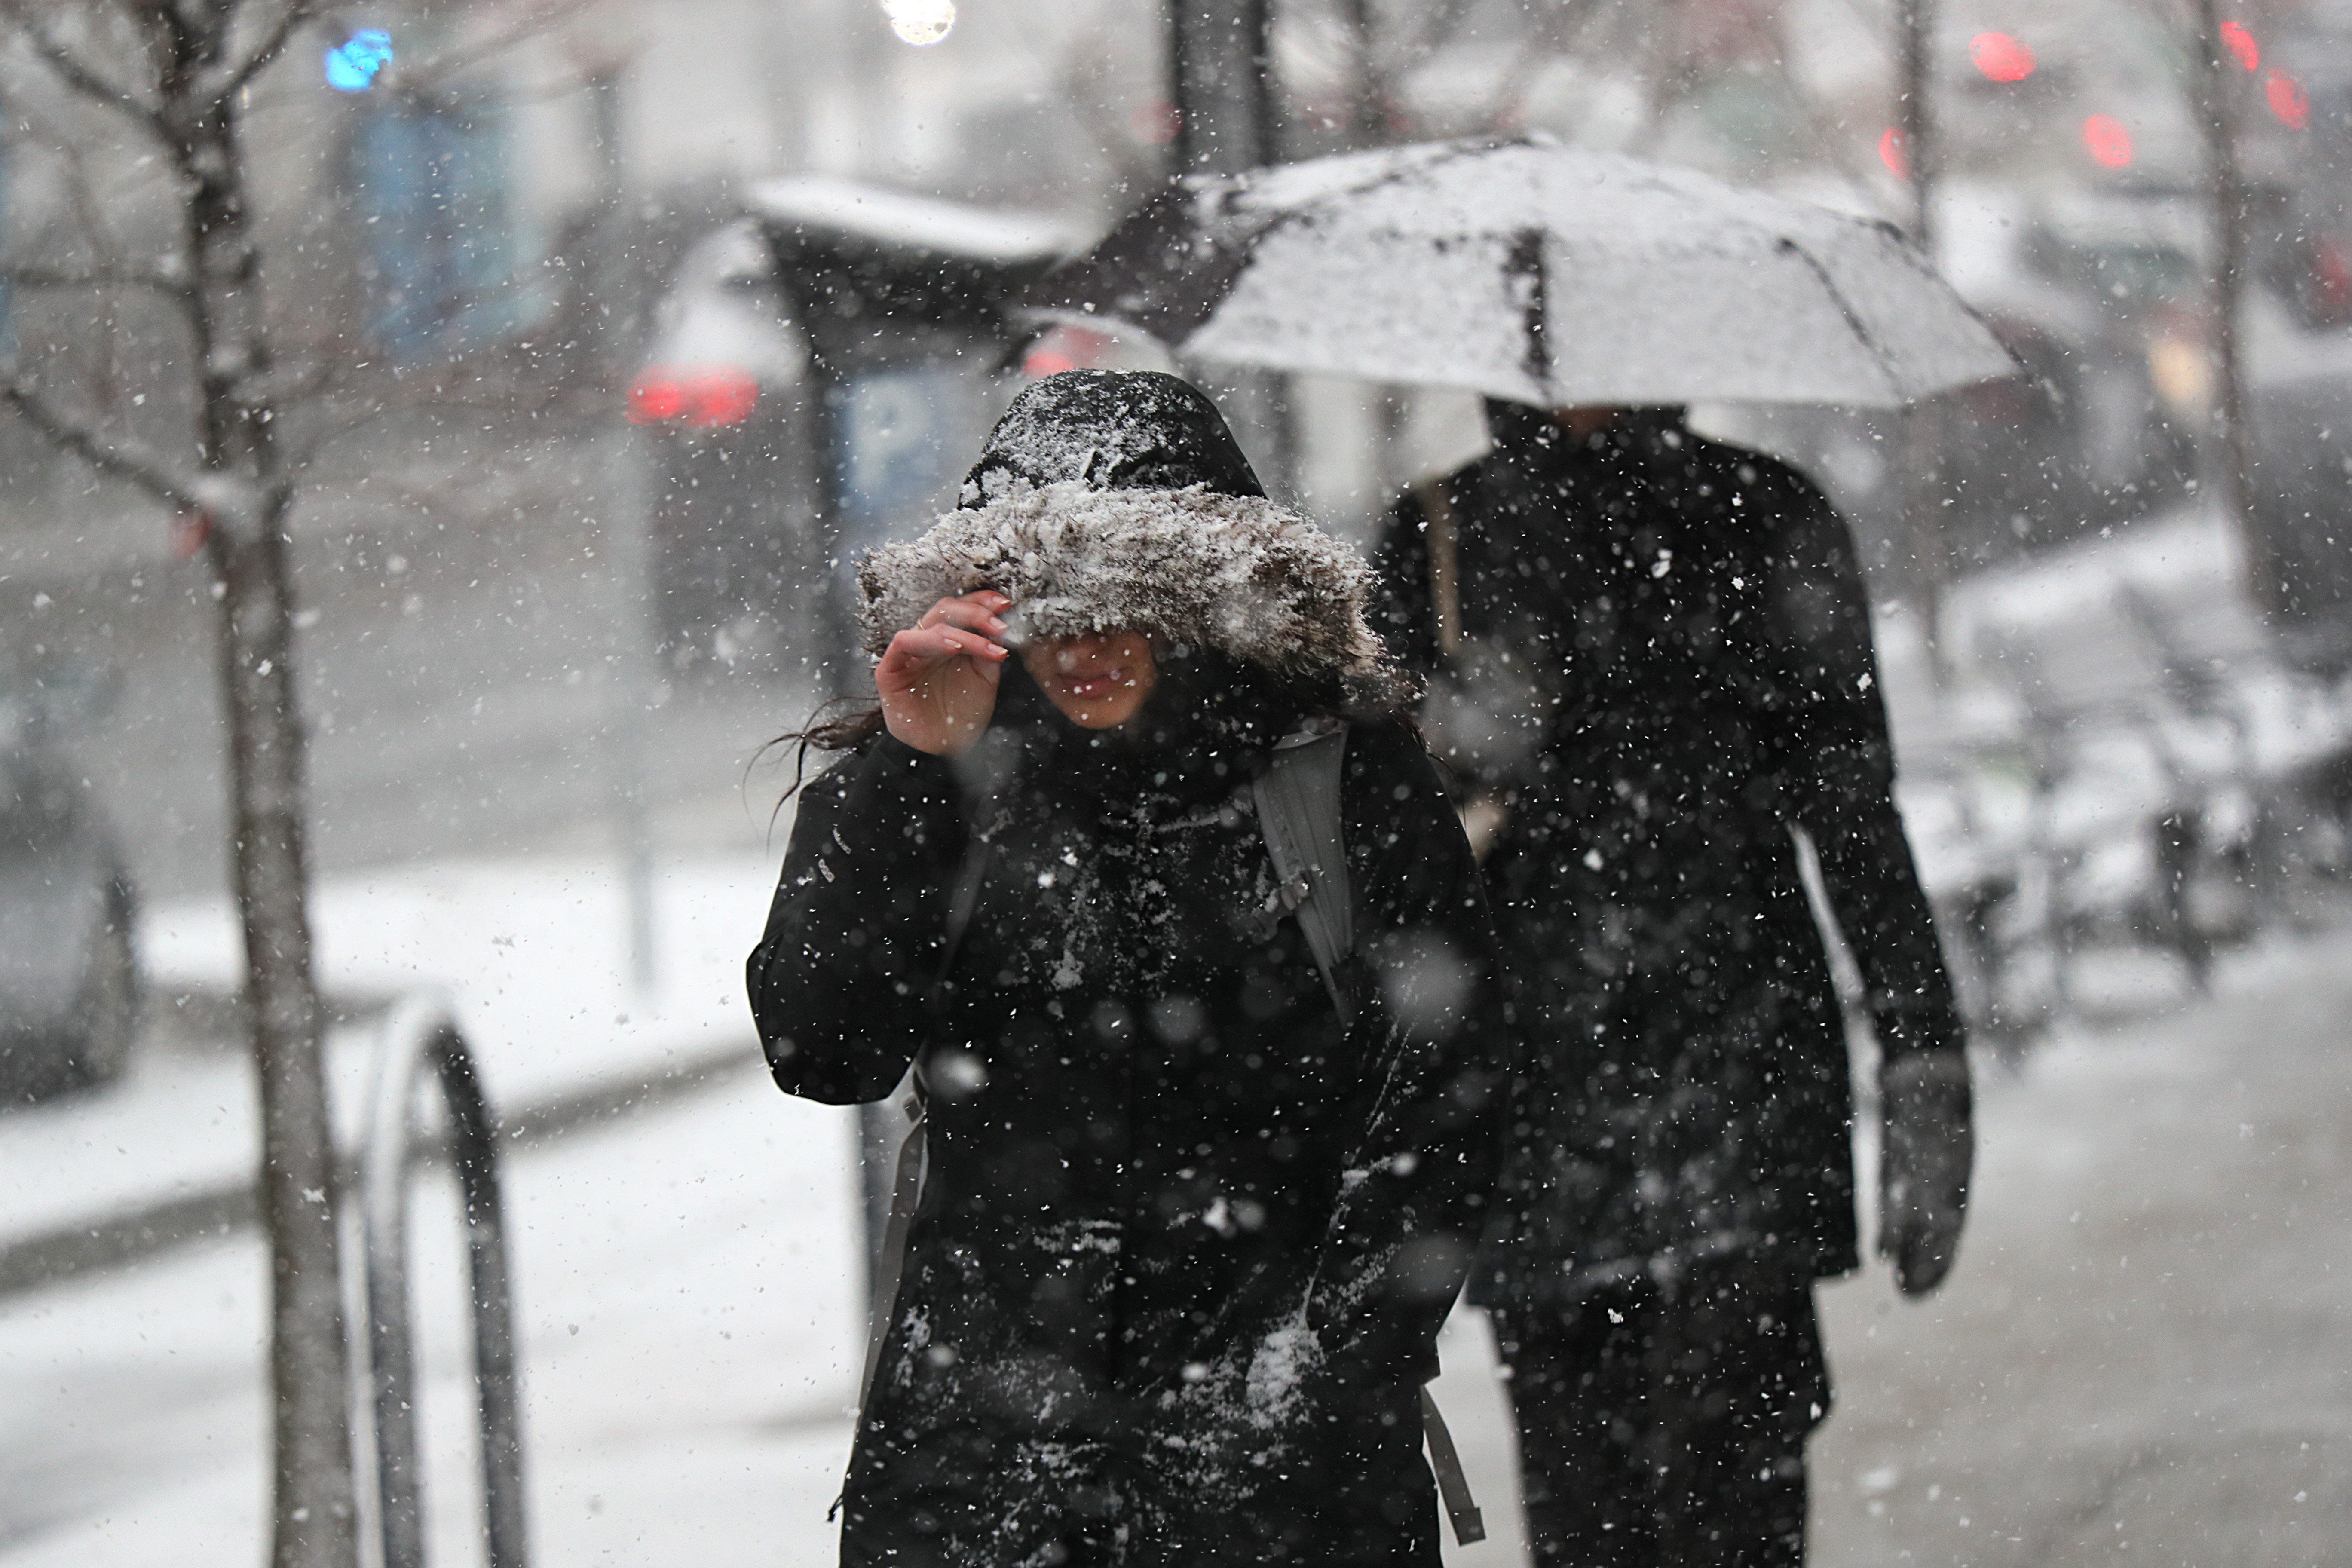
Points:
x=2109 y=144
x=2000 y=56
x=2241 y=45
x=2287 y=99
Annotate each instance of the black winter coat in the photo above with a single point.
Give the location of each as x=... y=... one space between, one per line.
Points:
x=1666 y=665
x=1184 y=1242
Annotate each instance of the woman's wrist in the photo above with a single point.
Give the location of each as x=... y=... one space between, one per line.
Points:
x=950 y=741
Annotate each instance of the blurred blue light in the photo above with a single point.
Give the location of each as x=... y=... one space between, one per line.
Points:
x=351 y=66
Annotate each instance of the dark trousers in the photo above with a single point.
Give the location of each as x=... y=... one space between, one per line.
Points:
x=1665 y=1428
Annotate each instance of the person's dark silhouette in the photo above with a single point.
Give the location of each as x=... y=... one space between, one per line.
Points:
x=1652 y=654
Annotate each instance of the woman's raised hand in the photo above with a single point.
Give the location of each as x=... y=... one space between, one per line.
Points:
x=937 y=678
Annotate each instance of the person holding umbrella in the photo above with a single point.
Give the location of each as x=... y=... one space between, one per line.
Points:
x=1652 y=663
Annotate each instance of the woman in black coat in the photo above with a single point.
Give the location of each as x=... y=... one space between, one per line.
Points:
x=1192 y=1211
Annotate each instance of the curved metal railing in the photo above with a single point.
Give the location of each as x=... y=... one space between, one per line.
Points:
x=420 y=1034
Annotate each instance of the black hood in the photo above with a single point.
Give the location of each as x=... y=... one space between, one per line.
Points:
x=1111 y=430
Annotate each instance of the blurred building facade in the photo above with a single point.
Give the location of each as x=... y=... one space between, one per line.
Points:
x=454 y=210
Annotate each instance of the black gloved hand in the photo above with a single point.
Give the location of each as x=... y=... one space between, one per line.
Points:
x=1923 y=1163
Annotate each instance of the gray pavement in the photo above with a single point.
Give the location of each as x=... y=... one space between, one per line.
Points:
x=2145 y=1355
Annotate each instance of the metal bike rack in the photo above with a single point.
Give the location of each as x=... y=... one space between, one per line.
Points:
x=419 y=1034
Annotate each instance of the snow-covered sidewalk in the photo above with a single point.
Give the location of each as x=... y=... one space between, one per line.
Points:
x=2140 y=1358
x=688 y=1318
x=690 y=1325
x=532 y=955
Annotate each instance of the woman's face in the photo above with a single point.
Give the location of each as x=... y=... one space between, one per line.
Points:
x=1097 y=681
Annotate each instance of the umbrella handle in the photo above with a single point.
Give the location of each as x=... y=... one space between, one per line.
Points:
x=1444 y=564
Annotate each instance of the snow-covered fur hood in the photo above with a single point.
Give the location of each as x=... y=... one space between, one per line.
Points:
x=1235 y=574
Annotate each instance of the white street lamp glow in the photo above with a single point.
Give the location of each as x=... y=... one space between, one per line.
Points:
x=921 y=21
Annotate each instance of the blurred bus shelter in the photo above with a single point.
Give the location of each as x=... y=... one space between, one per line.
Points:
x=821 y=368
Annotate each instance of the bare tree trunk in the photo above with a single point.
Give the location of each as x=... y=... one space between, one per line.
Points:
x=314 y=1524
x=2229 y=465
x=241 y=481
x=309 y=1367
x=1918 y=21
x=1221 y=80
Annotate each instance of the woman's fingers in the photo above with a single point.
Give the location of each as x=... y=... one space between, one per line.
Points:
x=919 y=646
x=980 y=612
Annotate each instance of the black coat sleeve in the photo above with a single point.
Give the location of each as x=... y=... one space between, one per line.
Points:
x=1838 y=765
x=841 y=981
x=1432 y=1033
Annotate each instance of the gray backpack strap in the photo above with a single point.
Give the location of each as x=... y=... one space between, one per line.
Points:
x=1453 y=1486
x=907 y=1189
x=1297 y=800
x=1298 y=811
x=906 y=1192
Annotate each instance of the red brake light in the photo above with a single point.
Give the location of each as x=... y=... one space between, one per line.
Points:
x=707 y=397
x=723 y=395
x=654 y=397
x=1066 y=347
x=1892 y=153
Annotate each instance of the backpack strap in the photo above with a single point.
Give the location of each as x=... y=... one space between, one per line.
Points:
x=1297 y=801
x=1453 y=1486
x=907 y=1188
x=906 y=1192
x=1298 y=811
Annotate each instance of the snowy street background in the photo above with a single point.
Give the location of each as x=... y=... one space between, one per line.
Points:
x=619 y=323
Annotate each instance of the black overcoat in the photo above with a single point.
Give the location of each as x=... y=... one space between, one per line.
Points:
x=1665 y=665
x=1184 y=1242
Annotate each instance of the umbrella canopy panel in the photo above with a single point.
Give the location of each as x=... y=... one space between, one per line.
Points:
x=1534 y=272
x=1461 y=310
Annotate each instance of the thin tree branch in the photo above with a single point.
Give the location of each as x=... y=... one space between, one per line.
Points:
x=219 y=84
x=154 y=280
x=171 y=29
x=287 y=385
x=71 y=72
x=426 y=76
x=122 y=457
x=566 y=408
x=82 y=202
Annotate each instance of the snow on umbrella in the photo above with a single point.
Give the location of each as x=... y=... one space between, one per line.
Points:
x=1531 y=271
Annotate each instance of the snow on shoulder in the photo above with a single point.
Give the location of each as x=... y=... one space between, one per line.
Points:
x=1236 y=574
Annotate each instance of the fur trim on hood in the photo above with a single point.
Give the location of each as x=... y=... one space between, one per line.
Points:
x=1235 y=574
